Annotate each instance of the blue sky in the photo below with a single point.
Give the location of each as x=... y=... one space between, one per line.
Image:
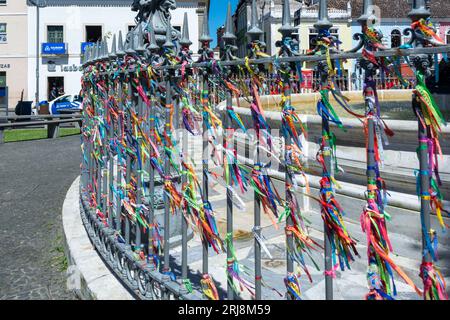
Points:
x=217 y=16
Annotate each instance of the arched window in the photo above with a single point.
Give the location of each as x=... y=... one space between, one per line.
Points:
x=447 y=36
x=396 y=39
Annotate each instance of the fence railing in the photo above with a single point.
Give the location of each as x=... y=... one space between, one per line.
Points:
x=140 y=94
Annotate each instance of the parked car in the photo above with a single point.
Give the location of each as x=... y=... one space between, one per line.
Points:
x=64 y=104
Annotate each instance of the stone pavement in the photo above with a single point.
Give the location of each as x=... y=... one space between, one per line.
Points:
x=34 y=179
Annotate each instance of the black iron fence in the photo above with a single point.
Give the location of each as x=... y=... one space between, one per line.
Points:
x=138 y=94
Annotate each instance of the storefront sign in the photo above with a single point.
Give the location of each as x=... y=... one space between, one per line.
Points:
x=72 y=68
x=54 y=48
x=5 y=66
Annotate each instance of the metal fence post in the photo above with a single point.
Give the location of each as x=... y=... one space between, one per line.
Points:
x=205 y=52
x=168 y=125
x=229 y=38
x=324 y=25
x=205 y=102
x=425 y=134
x=139 y=165
x=127 y=116
x=154 y=93
x=255 y=34
x=286 y=31
x=185 y=43
x=120 y=134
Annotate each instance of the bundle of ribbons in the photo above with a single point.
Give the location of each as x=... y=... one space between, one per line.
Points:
x=295 y=221
x=342 y=244
x=380 y=275
x=432 y=121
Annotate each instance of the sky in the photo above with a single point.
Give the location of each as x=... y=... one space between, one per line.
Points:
x=217 y=16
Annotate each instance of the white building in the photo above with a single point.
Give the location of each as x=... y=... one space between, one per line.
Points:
x=67 y=26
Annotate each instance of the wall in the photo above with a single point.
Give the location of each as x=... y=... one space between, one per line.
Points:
x=13 y=54
x=344 y=31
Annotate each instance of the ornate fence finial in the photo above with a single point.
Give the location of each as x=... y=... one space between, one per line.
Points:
x=153 y=45
x=100 y=50
x=206 y=54
x=91 y=53
x=130 y=44
x=229 y=34
x=140 y=45
x=419 y=11
x=86 y=57
x=255 y=31
x=287 y=29
x=229 y=37
x=120 y=51
x=113 y=53
x=185 y=41
x=105 y=49
x=205 y=37
x=323 y=23
x=96 y=51
x=169 y=42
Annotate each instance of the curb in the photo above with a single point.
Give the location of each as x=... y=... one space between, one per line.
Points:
x=88 y=276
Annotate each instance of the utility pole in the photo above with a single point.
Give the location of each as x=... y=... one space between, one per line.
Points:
x=39 y=4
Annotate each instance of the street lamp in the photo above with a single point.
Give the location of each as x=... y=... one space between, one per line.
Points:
x=39 y=4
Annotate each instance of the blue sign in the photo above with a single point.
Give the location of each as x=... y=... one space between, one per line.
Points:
x=2 y=92
x=54 y=48
x=84 y=46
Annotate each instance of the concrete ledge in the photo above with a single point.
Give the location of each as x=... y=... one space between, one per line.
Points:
x=88 y=276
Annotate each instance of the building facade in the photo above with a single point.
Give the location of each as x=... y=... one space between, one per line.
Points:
x=392 y=19
x=13 y=52
x=242 y=20
x=303 y=14
x=67 y=27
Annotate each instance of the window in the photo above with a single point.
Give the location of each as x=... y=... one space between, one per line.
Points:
x=55 y=34
x=2 y=2
x=297 y=17
x=313 y=33
x=3 y=37
x=93 y=33
x=447 y=36
x=396 y=39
